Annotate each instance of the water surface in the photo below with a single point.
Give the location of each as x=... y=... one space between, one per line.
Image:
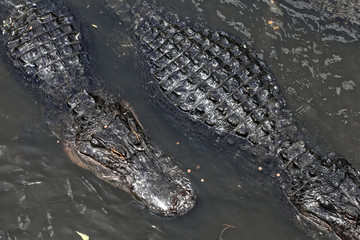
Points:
x=45 y=196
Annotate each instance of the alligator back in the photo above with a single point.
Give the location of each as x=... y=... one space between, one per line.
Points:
x=217 y=80
x=212 y=78
x=46 y=44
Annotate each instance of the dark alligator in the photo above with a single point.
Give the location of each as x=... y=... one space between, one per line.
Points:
x=218 y=81
x=44 y=40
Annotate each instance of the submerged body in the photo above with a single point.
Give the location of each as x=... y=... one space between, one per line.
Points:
x=217 y=81
x=44 y=41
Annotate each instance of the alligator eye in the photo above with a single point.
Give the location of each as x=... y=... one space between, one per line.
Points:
x=134 y=138
x=120 y=152
x=328 y=205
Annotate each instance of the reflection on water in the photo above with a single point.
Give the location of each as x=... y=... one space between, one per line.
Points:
x=312 y=53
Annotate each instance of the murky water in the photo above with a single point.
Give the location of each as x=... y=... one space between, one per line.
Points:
x=44 y=196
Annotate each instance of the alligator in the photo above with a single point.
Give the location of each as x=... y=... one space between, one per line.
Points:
x=217 y=81
x=44 y=41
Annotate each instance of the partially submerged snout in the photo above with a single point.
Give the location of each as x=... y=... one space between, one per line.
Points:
x=110 y=142
x=163 y=187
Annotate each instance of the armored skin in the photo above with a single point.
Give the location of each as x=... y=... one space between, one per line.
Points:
x=44 y=40
x=218 y=81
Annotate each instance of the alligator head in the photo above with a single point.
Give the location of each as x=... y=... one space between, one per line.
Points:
x=110 y=142
x=328 y=195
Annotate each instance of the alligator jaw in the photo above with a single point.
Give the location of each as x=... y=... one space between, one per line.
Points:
x=164 y=194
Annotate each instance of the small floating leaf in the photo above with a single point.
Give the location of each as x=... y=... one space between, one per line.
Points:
x=83 y=236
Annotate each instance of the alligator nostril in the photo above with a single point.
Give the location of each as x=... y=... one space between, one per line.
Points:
x=183 y=193
x=174 y=201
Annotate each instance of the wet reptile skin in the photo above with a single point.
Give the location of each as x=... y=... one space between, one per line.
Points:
x=218 y=80
x=44 y=41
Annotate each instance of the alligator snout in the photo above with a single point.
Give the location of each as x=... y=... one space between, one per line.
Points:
x=169 y=195
x=182 y=202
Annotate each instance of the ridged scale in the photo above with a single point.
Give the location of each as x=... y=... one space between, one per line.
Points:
x=216 y=80
x=43 y=43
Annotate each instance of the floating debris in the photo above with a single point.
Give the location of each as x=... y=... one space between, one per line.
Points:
x=95 y=26
x=126 y=45
x=227 y=226
x=77 y=36
x=83 y=236
x=273 y=25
